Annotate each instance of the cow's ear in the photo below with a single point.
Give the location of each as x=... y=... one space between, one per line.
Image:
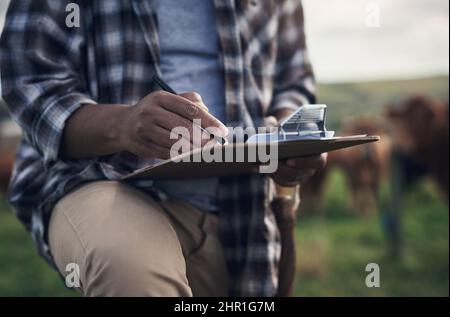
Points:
x=388 y=111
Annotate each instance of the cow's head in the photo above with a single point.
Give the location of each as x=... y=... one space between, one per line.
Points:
x=411 y=122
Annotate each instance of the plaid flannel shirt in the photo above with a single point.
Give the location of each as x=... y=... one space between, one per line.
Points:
x=50 y=70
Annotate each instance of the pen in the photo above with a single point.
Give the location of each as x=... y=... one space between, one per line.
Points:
x=167 y=88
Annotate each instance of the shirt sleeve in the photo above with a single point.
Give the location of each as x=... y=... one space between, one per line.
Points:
x=42 y=78
x=294 y=83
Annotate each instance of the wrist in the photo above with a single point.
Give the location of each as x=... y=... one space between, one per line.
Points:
x=93 y=130
x=118 y=134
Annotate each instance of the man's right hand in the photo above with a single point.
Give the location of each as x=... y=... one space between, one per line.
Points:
x=146 y=128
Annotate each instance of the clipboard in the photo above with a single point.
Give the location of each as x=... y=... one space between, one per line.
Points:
x=175 y=168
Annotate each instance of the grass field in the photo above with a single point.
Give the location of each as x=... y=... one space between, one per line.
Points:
x=333 y=250
x=22 y=272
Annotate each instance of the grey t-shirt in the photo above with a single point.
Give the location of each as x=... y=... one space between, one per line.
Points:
x=189 y=46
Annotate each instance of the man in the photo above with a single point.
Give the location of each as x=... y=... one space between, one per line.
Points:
x=90 y=115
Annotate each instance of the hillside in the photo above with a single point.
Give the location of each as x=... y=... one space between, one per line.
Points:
x=349 y=99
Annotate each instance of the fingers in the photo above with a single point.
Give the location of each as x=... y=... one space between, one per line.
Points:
x=162 y=137
x=308 y=162
x=298 y=170
x=147 y=149
x=158 y=144
x=270 y=121
x=288 y=176
x=161 y=125
x=180 y=125
x=190 y=110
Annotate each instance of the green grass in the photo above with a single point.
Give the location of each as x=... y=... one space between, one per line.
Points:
x=333 y=250
x=22 y=271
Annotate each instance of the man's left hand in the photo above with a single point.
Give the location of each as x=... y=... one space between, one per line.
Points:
x=294 y=171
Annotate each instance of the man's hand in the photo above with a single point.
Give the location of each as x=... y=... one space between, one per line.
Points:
x=146 y=128
x=297 y=170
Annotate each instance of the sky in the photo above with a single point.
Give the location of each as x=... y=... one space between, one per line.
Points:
x=356 y=40
x=411 y=39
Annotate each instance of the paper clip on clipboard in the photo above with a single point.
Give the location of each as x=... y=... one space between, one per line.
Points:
x=306 y=123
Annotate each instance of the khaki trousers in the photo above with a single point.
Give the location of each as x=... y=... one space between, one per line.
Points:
x=128 y=244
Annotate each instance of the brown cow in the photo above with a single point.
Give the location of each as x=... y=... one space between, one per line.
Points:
x=420 y=132
x=364 y=167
